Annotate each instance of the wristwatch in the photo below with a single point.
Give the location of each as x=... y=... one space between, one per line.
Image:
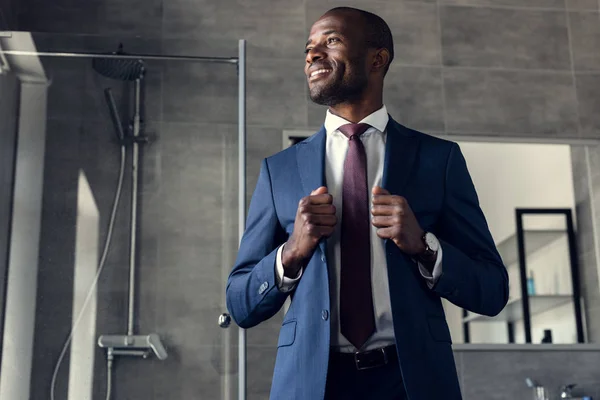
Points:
x=432 y=245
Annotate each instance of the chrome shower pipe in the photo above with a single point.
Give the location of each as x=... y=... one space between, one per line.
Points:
x=242 y=198
x=225 y=60
x=134 y=201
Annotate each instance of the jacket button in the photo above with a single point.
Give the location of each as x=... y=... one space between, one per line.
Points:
x=325 y=315
x=263 y=287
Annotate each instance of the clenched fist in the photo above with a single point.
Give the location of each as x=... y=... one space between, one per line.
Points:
x=396 y=221
x=315 y=219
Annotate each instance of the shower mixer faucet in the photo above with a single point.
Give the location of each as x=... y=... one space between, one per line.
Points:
x=133 y=345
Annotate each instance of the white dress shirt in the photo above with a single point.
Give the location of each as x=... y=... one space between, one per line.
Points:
x=335 y=153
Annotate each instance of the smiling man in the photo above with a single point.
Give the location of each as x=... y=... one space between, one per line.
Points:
x=366 y=225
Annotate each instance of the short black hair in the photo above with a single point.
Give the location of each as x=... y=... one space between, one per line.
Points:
x=377 y=32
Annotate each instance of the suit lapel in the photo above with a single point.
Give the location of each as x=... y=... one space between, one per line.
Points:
x=310 y=156
x=400 y=155
x=311 y=161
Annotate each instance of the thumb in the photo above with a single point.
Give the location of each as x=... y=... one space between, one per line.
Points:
x=378 y=190
x=320 y=190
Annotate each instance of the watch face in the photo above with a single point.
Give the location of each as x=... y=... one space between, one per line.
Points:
x=432 y=241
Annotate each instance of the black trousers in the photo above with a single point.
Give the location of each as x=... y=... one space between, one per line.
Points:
x=345 y=382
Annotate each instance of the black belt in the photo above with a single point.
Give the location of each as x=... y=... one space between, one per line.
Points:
x=370 y=358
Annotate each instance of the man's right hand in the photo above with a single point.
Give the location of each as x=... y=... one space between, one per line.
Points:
x=315 y=219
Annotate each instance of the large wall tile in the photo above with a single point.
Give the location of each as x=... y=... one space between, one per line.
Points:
x=195 y=92
x=209 y=93
x=582 y=5
x=116 y=17
x=545 y=4
x=517 y=38
x=510 y=103
x=262 y=360
x=588 y=96
x=272 y=29
x=275 y=93
x=315 y=114
x=261 y=143
x=414 y=26
x=38 y=16
x=414 y=98
x=585 y=39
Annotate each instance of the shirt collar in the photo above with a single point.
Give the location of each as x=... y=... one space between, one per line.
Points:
x=378 y=120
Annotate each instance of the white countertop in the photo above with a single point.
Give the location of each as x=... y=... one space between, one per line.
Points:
x=526 y=347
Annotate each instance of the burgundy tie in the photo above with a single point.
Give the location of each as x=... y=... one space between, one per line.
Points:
x=357 y=318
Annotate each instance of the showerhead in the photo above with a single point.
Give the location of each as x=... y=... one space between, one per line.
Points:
x=120 y=69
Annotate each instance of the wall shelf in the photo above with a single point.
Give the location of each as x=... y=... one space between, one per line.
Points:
x=534 y=240
x=514 y=309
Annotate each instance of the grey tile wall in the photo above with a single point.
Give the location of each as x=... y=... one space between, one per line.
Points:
x=468 y=40
x=586 y=239
x=590 y=5
x=510 y=103
x=539 y=4
x=585 y=40
x=588 y=99
x=462 y=66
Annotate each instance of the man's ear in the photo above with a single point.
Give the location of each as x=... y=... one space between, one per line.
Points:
x=381 y=59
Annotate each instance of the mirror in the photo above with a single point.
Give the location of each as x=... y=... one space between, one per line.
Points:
x=528 y=195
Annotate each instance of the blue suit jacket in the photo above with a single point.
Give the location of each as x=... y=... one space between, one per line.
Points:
x=432 y=174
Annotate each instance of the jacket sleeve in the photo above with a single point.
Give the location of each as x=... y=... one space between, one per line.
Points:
x=252 y=294
x=474 y=276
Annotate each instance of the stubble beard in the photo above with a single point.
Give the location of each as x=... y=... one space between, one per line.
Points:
x=339 y=90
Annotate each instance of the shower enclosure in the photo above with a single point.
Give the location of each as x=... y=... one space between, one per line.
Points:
x=123 y=201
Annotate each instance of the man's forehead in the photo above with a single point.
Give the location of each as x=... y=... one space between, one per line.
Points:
x=340 y=22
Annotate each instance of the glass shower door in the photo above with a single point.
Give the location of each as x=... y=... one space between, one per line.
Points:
x=63 y=294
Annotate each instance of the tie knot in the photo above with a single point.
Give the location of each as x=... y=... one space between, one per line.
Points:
x=351 y=130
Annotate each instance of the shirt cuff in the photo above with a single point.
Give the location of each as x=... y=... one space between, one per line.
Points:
x=432 y=277
x=284 y=283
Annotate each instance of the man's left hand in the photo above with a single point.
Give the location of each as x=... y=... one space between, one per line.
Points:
x=395 y=220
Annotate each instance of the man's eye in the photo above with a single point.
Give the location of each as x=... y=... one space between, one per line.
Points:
x=333 y=39
x=306 y=51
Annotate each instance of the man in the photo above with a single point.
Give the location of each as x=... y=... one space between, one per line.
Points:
x=366 y=225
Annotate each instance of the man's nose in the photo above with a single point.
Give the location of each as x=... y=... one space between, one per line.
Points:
x=314 y=54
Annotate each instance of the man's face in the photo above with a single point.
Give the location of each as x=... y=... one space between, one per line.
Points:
x=336 y=60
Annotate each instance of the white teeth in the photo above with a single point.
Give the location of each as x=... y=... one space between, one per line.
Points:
x=319 y=71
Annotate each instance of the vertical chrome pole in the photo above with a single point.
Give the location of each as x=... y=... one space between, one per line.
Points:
x=242 y=196
x=134 y=201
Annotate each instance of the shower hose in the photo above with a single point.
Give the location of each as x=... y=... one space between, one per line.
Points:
x=101 y=265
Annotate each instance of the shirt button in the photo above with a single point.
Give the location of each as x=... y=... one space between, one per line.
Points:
x=323 y=257
x=325 y=315
x=263 y=287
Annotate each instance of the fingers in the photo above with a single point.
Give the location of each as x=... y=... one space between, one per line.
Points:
x=388 y=199
x=320 y=230
x=386 y=233
x=385 y=221
x=378 y=190
x=319 y=190
x=320 y=219
x=308 y=202
x=395 y=209
x=321 y=209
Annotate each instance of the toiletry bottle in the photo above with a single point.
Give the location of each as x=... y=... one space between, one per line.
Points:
x=530 y=284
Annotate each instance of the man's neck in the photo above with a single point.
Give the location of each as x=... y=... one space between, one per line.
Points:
x=355 y=112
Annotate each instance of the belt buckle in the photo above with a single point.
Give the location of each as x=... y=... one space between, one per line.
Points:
x=363 y=367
